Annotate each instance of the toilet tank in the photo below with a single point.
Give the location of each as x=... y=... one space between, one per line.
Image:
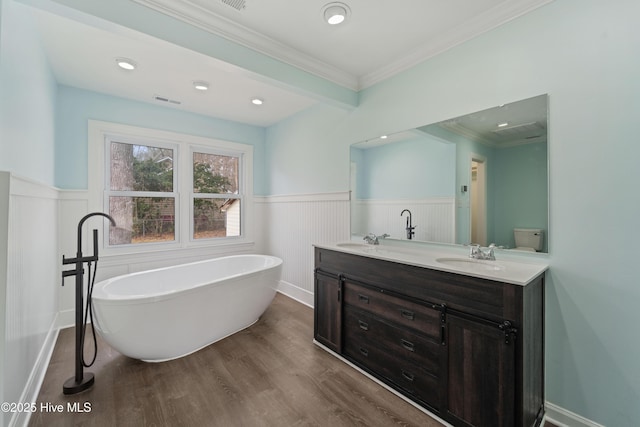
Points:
x=529 y=238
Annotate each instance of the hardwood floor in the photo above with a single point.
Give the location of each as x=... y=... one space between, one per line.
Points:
x=270 y=374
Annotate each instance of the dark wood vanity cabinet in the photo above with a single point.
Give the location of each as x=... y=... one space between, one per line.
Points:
x=327 y=325
x=480 y=374
x=469 y=350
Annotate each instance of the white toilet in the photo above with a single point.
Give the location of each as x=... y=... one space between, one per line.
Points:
x=528 y=239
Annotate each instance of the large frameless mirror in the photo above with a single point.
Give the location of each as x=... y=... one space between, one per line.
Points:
x=480 y=178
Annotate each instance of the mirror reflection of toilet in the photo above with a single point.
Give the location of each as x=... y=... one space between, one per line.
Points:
x=528 y=239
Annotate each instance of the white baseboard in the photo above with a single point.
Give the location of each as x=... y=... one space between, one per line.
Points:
x=292 y=291
x=565 y=418
x=32 y=387
x=66 y=319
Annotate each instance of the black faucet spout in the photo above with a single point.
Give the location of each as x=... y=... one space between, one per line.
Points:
x=409 y=228
x=86 y=217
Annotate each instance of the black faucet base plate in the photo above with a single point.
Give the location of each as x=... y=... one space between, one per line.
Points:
x=71 y=386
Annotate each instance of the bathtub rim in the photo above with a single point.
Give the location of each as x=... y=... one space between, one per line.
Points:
x=102 y=297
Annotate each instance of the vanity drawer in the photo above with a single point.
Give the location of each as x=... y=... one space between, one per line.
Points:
x=398 y=372
x=424 y=319
x=404 y=345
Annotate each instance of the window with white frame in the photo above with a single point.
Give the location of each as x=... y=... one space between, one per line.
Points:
x=216 y=202
x=169 y=189
x=141 y=191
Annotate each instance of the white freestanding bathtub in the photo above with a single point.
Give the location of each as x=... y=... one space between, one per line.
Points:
x=170 y=312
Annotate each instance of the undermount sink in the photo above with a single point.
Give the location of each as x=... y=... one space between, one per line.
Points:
x=471 y=264
x=352 y=245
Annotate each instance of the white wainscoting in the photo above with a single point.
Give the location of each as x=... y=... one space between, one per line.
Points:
x=30 y=302
x=40 y=223
x=294 y=224
x=434 y=218
x=74 y=204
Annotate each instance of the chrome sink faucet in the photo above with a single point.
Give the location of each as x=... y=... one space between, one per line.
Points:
x=477 y=252
x=372 y=239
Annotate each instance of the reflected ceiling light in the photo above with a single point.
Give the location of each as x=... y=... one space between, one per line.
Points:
x=501 y=125
x=383 y=137
x=126 y=64
x=257 y=101
x=335 y=13
x=200 y=85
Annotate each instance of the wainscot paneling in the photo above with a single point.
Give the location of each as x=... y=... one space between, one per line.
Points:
x=433 y=218
x=294 y=224
x=30 y=295
x=74 y=204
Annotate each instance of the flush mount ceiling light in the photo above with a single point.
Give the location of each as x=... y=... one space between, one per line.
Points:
x=335 y=13
x=257 y=101
x=200 y=85
x=126 y=64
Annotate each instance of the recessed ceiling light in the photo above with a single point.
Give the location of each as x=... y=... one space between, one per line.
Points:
x=126 y=64
x=335 y=13
x=257 y=101
x=383 y=137
x=200 y=85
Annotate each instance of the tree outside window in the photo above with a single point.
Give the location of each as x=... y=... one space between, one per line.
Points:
x=141 y=196
x=216 y=199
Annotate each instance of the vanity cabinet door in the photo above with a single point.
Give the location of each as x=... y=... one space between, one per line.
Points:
x=328 y=310
x=481 y=373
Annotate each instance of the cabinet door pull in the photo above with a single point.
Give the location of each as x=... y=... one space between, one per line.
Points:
x=407 y=345
x=363 y=325
x=364 y=351
x=407 y=314
x=363 y=298
x=408 y=375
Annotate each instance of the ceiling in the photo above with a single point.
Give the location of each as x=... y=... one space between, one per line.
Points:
x=517 y=123
x=379 y=39
x=523 y=122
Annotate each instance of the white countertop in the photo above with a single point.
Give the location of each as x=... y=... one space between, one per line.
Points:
x=452 y=260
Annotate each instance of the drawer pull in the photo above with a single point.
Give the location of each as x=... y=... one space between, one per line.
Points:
x=364 y=351
x=363 y=325
x=407 y=314
x=363 y=298
x=407 y=345
x=408 y=375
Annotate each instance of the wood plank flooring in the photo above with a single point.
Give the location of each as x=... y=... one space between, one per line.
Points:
x=270 y=374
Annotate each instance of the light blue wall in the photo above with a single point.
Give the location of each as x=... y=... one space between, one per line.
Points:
x=584 y=54
x=76 y=106
x=519 y=182
x=27 y=98
x=465 y=151
x=309 y=152
x=27 y=132
x=517 y=187
x=419 y=168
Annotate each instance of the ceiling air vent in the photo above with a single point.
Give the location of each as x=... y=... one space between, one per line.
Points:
x=236 y=4
x=163 y=99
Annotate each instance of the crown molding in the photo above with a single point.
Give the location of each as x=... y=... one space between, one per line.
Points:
x=486 y=21
x=207 y=20
x=204 y=18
